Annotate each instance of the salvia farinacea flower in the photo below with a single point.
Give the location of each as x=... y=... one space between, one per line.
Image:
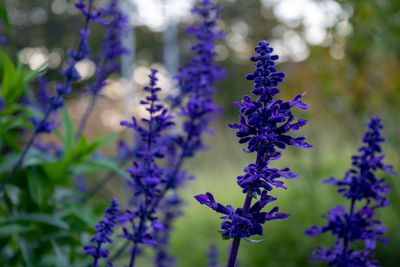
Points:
x=201 y=72
x=148 y=178
x=107 y=62
x=197 y=78
x=104 y=230
x=196 y=83
x=264 y=126
x=115 y=25
x=360 y=184
x=70 y=73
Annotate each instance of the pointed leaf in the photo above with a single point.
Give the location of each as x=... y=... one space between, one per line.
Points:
x=68 y=138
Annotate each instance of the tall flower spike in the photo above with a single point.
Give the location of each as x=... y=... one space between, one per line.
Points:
x=263 y=125
x=104 y=230
x=359 y=184
x=199 y=75
x=196 y=80
x=147 y=176
x=196 y=83
x=107 y=61
x=213 y=256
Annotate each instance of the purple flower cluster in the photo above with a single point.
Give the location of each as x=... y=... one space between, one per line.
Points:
x=360 y=183
x=200 y=73
x=264 y=125
x=104 y=230
x=107 y=61
x=196 y=83
x=70 y=73
x=157 y=204
x=236 y=223
x=147 y=176
x=197 y=78
x=115 y=26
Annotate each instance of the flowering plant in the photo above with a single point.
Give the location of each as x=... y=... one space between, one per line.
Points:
x=360 y=184
x=263 y=126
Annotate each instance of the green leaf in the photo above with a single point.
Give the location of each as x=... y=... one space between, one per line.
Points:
x=68 y=138
x=84 y=214
x=4 y=15
x=56 y=171
x=7 y=230
x=11 y=141
x=94 y=165
x=26 y=250
x=42 y=218
x=9 y=79
x=61 y=259
x=36 y=185
x=8 y=123
x=8 y=162
x=37 y=157
x=99 y=142
x=83 y=149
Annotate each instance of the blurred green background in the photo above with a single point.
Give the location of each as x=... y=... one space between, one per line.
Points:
x=345 y=54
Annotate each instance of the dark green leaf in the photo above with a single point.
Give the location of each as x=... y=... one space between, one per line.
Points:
x=10 y=229
x=61 y=259
x=26 y=250
x=42 y=218
x=68 y=138
x=94 y=165
x=36 y=185
x=4 y=15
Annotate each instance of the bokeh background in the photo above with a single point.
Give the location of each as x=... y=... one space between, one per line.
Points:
x=344 y=54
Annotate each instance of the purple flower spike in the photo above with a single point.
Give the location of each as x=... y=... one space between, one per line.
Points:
x=213 y=256
x=196 y=80
x=70 y=73
x=104 y=230
x=359 y=184
x=115 y=26
x=196 y=83
x=263 y=125
x=200 y=73
x=147 y=176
